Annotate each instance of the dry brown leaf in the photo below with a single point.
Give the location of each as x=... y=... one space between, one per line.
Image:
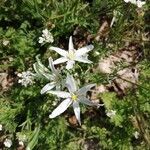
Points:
x=127 y=56
x=125 y=78
x=3 y=81
x=6 y=81
x=82 y=37
x=96 y=91
x=73 y=121
x=91 y=144
x=103 y=31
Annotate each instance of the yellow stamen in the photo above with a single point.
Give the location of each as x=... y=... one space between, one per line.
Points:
x=74 y=97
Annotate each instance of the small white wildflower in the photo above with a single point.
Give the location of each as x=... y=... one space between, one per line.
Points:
x=5 y=42
x=72 y=54
x=1 y=127
x=26 y=78
x=54 y=103
x=21 y=143
x=11 y=59
x=111 y=113
x=139 y=3
x=41 y=40
x=136 y=134
x=46 y=37
x=8 y=143
x=73 y=97
x=97 y=53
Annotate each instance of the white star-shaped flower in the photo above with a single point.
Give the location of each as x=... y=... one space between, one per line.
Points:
x=72 y=54
x=73 y=97
x=54 y=76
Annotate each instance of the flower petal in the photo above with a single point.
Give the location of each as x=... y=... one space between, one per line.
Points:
x=126 y=1
x=86 y=88
x=47 y=87
x=45 y=31
x=83 y=59
x=60 y=60
x=61 y=108
x=41 y=66
x=70 y=64
x=84 y=50
x=71 y=47
x=61 y=94
x=51 y=65
x=41 y=40
x=70 y=83
x=76 y=109
x=86 y=101
x=59 y=51
x=41 y=71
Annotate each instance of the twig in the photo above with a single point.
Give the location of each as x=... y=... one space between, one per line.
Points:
x=132 y=82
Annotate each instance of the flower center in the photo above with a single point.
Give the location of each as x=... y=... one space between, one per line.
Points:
x=71 y=55
x=74 y=97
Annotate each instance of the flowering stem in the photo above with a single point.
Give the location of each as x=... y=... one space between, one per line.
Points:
x=142 y=124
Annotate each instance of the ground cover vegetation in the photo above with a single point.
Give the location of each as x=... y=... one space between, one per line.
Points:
x=74 y=74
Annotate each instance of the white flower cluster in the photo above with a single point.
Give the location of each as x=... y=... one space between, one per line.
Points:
x=46 y=37
x=74 y=96
x=8 y=143
x=139 y=3
x=26 y=78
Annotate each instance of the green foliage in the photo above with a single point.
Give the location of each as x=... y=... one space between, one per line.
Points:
x=24 y=111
